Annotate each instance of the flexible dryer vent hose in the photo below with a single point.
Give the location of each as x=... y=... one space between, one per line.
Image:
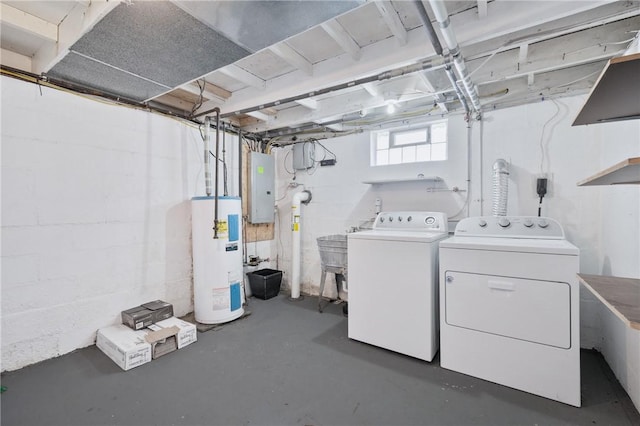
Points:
x=500 y=187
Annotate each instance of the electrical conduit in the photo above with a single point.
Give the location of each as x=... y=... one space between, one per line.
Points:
x=296 y=214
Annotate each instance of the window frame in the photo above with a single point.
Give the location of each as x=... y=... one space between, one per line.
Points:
x=391 y=144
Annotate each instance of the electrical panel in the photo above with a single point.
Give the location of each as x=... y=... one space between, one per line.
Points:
x=262 y=196
x=303 y=155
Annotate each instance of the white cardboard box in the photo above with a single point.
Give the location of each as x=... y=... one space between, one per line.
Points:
x=187 y=334
x=124 y=346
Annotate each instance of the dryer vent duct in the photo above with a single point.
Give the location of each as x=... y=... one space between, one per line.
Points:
x=500 y=187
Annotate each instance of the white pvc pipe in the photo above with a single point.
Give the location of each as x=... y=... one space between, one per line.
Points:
x=296 y=214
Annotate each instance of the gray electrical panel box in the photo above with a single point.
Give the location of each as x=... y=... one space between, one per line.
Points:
x=262 y=196
x=303 y=155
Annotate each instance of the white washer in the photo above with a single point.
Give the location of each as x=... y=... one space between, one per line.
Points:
x=509 y=302
x=393 y=282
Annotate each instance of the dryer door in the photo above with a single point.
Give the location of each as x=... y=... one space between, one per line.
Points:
x=529 y=310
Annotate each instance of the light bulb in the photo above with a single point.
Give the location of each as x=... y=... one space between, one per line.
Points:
x=391 y=108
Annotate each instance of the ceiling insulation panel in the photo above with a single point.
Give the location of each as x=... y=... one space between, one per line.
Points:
x=259 y=23
x=80 y=70
x=154 y=40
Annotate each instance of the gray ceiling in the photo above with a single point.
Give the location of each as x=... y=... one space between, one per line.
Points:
x=248 y=55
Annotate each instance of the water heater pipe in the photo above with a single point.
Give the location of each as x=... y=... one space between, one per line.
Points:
x=296 y=214
x=207 y=171
x=215 y=201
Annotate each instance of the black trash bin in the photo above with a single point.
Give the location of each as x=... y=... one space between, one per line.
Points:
x=265 y=283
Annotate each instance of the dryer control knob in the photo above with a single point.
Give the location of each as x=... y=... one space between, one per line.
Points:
x=542 y=223
x=390 y=218
x=528 y=223
x=504 y=222
x=381 y=219
x=399 y=218
x=409 y=218
x=482 y=223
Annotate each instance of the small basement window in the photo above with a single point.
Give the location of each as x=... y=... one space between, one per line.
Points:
x=426 y=143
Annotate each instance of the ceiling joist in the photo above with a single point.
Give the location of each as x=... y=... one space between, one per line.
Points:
x=342 y=37
x=243 y=76
x=28 y=23
x=292 y=57
x=391 y=18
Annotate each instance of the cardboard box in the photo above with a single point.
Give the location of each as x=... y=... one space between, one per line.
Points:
x=161 y=310
x=187 y=334
x=124 y=346
x=163 y=340
x=137 y=318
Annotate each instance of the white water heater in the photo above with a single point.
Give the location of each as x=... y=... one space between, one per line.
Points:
x=217 y=262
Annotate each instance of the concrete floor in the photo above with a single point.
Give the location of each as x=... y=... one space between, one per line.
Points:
x=287 y=364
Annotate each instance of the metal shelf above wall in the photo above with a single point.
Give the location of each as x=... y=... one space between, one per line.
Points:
x=625 y=172
x=401 y=180
x=616 y=94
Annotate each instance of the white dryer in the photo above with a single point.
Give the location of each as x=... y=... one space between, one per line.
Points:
x=509 y=301
x=393 y=282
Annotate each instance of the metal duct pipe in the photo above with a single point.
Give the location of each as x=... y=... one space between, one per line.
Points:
x=442 y=16
x=207 y=171
x=437 y=47
x=427 y=65
x=215 y=201
x=426 y=22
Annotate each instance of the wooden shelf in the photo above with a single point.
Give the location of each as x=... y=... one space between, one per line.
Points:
x=616 y=94
x=620 y=295
x=625 y=172
x=416 y=179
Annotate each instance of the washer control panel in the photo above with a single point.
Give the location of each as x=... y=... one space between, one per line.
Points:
x=412 y=221
x=510 y=227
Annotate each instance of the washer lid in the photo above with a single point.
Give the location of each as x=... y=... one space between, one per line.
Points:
x=523 y=245
x=389 y=235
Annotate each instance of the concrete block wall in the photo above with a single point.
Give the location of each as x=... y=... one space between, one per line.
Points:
x=95 y=217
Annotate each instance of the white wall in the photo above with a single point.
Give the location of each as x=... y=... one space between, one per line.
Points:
x=603 y=221
x=96 y=217
x=341 y=200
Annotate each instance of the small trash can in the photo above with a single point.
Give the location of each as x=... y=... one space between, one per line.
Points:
x=265 y=283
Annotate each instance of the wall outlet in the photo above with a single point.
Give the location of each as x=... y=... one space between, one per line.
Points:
x=534 y=184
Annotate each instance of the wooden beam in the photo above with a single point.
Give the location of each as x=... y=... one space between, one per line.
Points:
x=308 y=103
x=482 y=9
x=292 y=57
x=210 y=90
x=522 y=53
x=243 y=76
x=436 y=96
x=371 y=89
x=260 y=116
x=15 y=60
x=391 y=18
x=82 y=18
x=342 y=37
x=28 y=23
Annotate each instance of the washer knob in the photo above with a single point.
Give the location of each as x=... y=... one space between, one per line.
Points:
x=381 y=219
x=482 y=223
x=543 y=223
x=409 y=218
x=528 y=223
x=399 y=218
x=390 y=218
x=430 y=220
x=504 y=222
